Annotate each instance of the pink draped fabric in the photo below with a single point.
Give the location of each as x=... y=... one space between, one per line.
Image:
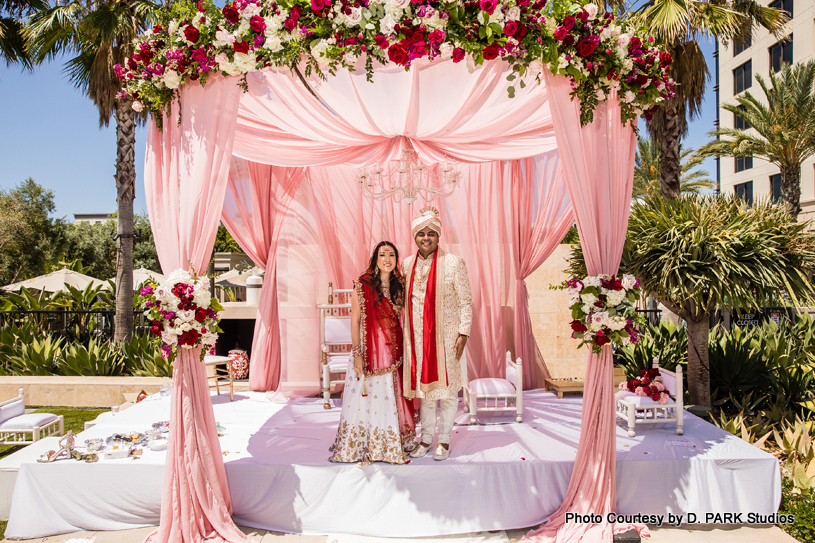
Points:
x=254 y=209
x=541 y=214
x=186 y=171
x=442 y=108
x=598 y=161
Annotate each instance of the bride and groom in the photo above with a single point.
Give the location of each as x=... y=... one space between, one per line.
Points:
x=392 y=363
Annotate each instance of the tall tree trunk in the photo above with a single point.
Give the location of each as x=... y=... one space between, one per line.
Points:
x=669 y=151
x=126 y=192
x=698 y=362
x=791 y=188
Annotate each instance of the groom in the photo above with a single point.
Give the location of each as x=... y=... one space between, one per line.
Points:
x=438 y=315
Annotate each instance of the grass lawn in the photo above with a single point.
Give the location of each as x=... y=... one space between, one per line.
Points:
x=75 y=418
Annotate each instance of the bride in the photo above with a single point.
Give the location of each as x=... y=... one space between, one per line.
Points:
x=377 y=421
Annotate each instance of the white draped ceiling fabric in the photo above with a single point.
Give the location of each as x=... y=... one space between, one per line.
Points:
x=515 y=198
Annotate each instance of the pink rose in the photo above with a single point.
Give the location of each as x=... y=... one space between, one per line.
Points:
x=381 y=41
x=510 y=28
x=458 y=54
x=560 y=33
x=257 y=24
x=437 y=36
x=488 y=5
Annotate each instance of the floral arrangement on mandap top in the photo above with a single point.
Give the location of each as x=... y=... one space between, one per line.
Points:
x=648 y=384
x=596 y=50
x=603 y=310
x=182 y=313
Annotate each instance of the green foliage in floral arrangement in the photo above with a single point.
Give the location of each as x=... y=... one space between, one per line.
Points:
x=665 y=341
x=598 y=52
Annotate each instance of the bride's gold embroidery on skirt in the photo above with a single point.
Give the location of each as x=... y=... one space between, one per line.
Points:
x=366 y=444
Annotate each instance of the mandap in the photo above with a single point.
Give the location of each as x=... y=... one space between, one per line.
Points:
x=262 y=110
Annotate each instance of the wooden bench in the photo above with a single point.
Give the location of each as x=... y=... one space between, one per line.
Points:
x=562 y=386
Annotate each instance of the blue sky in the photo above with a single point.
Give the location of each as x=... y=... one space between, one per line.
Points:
x=50 y=131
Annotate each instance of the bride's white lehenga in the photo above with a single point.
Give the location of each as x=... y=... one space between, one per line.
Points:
x=377 y=423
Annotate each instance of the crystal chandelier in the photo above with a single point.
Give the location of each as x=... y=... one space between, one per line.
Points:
x=408 y=178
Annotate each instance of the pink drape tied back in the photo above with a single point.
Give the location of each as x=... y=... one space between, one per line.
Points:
x=598 y=161
x=186 y=171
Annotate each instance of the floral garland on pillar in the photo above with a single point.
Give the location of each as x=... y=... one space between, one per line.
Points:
x=182 y=313
x=597 y=51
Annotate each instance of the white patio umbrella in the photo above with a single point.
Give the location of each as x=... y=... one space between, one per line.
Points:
x=140 y=275
x=235 y=278
x=56 y=281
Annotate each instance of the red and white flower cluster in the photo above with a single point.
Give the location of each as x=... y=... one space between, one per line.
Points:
x=603 y=310
x=649 y=384
x=598 y=52
x=182 y=313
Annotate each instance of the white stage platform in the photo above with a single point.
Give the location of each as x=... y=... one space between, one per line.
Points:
x=497 y=477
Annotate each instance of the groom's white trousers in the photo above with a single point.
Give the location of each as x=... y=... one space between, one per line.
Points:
x=427 y=417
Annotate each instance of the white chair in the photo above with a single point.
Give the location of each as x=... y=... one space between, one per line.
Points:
x=644 y=410
x=335 y=339
x=19 y=428
x=500 y=395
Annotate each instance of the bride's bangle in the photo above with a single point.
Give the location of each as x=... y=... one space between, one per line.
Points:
x=356 y=351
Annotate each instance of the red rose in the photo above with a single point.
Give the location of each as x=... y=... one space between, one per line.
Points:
x=290 y=24
x=295 y=12
x=488 y=5
x=510 y=28
x=522 y=30
x=560 y=33
x=578 y=326
x=257 y=24
x=583 y=15
x=437 y=36
x=634 y=43
x=414 y=36
x=190 y=337
x=318 y=5
x=568 y=40
x=397 y=54
x=241 y=46
x=568 y=22
x=601 y=340
x=200 y=314
x=640 y=81
x=191 y=33
x=458 y=54
x=665 y=59
x=155 y=330
x=586 y=47
x=230 y=13
x=381 y=41
x=490 y=52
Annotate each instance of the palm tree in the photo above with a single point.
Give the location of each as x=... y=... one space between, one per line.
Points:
x=646 y=171
x=676 y=25
x=13 y=45
x=100 y=34
x=782 y=131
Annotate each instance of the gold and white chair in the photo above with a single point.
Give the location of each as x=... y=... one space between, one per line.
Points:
x=335 y=340
x=644 y=410
x=212 y=362
x=495 y=394
x=20 y=428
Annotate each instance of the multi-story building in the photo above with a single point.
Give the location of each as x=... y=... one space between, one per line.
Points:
x=738 y=65
x=93 y=218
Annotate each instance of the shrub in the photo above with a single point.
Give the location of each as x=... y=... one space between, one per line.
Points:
x=100 y=358
x=803 y=507
x=667 y=341
x=142 y=356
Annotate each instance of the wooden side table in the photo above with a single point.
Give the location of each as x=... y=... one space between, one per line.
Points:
x=562 y=386
x=213 y=362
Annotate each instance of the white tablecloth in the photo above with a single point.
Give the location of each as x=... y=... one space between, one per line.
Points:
x=497 y=477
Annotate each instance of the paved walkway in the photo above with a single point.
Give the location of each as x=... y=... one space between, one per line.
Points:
x=689 y=534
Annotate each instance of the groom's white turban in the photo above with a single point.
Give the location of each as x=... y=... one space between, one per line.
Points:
x=428 y=216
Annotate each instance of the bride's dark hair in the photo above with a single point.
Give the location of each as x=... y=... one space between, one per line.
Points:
x=371 y=276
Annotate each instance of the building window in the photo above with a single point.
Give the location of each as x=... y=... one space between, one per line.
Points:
x=783 y=5
x=743 y=77
x=781 y=53
x=744 y=191
x=739 y=47
x=743 y=163
x=775 y=187
x=740 y=123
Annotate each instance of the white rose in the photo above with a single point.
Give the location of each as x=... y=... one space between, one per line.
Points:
x=605 y=33
x=168 y=337
x=623 y=39
x=591 y=9
x=137 y=106
x=245 y=62
x=599 y=319
x=601 y=95
x=221 y=58
x=588 y=298
x=351 y=58
x=319 y=52
x=224 y=38
x=497 y=16
x=629 y=97
x=591 y=281
x=250 y=10
x=387 y=24
x=535 y=68
x=243 y=27
x=186 y=315
x=629 y=281
x=172 y=79
x=273 y=43
x=586 y=309
x=172 y=27
x=398 y=4
x=355 y=17
x=446 y=49
x=514 y=13
x=628 y=65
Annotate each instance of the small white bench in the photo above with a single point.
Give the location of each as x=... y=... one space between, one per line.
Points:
x=643 y=410
x=20 y=428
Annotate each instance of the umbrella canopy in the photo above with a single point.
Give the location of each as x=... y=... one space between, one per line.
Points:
x=141 y=275
x=56 y=281
x=236 y=278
